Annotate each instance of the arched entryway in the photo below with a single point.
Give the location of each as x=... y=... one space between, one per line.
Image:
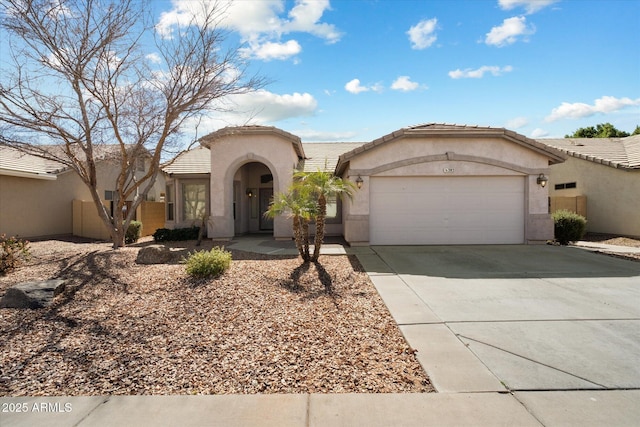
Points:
x=252 y=193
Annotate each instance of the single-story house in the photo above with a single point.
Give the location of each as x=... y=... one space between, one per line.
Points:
x=602 y=176
x=40 y=198
x=425 y=184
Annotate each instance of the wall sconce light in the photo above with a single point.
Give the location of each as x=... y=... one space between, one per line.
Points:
x=359 y=182
x=542 y=180
x=249 y=193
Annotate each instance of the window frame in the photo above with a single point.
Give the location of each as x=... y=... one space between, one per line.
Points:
x=337 y=219
x=169 y=199
x=183 y=194
x=566 y=186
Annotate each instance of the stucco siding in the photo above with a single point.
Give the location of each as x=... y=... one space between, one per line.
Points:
x=228 y=155
x=33 y=207
x=491 y=148
x=613 y=195
x=450 y=157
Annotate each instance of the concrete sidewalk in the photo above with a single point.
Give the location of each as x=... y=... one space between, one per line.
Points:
x=604 y=247
x=278 y=410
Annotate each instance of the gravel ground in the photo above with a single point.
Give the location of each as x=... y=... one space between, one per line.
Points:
x=269 y=325
x=612 y=239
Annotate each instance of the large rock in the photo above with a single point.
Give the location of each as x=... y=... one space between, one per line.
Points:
x=32 y=294
x=154 y=254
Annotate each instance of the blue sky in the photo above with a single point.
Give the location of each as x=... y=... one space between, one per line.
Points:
x=354 y=70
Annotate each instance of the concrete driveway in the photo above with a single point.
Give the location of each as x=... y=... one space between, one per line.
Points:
x=530 y=320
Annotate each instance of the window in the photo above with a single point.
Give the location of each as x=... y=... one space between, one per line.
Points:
x=334 y=210
x=193 y=201
x=170 y=202
x=565 y=185
x=109 y=197
x=140 y=164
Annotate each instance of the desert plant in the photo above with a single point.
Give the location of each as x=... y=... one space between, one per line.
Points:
x=320 y=185
x=208 y=263
x=13 y=252
x=177 y=234
x=133 y=232
x=568 y=226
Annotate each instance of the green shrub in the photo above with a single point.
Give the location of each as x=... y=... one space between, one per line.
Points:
x=568 y=226
x=13 y=251
x=208 y=263
x=177 y=234
x=133 y=232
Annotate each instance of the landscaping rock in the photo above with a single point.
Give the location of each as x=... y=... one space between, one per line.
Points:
x=32 y=294
x=154 y=254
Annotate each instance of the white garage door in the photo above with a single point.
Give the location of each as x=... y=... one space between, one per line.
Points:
x=446 y=210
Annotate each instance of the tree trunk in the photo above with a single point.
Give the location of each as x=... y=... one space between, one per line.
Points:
x=297 y=235
x=322 y=213
x=305 y=238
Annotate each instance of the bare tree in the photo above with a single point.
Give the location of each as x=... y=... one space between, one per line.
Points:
x=77 y=78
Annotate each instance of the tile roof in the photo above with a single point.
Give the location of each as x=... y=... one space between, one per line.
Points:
x=320 y=155
x=621 y=153
x=445 y=129
x=324 y=155
x=16 y=163
x=197 y=160
x=255 y=130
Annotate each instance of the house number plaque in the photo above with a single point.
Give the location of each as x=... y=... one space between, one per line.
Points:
x=448 y=170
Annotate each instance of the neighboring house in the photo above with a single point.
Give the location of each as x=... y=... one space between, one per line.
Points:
x=40 y=198
x=604 y=173
x=426 y=184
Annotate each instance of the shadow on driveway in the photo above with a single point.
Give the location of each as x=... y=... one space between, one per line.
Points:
x=502 y=261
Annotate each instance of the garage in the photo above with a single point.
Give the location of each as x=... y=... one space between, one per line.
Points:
x=420 y=210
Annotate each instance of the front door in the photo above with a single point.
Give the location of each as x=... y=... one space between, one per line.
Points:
x=266 y=194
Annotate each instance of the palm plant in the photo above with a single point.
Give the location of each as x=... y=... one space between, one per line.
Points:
x=297 y=204
x=320 y=185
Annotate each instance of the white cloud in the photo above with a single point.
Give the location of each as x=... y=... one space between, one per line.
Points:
x=539 y=133
x=154 y=58
x=479 y=72
x=377 y=87
x=422 y=35
x=305 y=16
x=271 y=50
x=516 y=123
x=272 y=107
x=317 y=136
x=354 y=86
x=606 y=104
x=404 y=84
x=261 y=107
x=261 y=24
x=509 y=31
x=531 y=6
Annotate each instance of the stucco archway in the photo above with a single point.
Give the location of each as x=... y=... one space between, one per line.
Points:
x=253 y=185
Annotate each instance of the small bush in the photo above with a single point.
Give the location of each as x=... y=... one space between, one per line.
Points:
x=177 y=234
x=133 y=232
x=13 y=251
x=568 y=226
x=208 y=263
